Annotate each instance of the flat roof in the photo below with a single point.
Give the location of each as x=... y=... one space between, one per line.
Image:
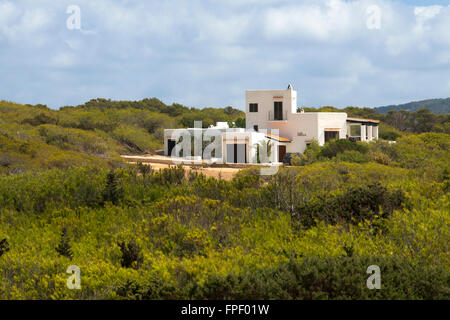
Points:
x=269 y=90
x=362 y=120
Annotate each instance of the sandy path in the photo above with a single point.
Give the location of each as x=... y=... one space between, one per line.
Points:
x=216 y=172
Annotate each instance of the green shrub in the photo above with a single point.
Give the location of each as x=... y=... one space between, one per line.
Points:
x=154 y=288
x=4 y=246
x=333 y=148
x=131 y=254
x=352 y=156
x=426 y=150
x=329 y=278
x=356 y=204
x=312 y=153
x=170 y=176
x=64 y=247
x=112 y=191
x=387 y=132
x=380 y=157
x=41 y=118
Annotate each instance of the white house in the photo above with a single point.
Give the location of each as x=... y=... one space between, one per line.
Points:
x=273 y=115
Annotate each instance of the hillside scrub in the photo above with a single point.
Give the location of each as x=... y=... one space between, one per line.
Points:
x=105 y=128
x=308 y=232
x=168 y=234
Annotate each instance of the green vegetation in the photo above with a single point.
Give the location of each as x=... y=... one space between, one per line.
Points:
x=37 y=138
x=64 y=248
x=441 y=106
x=308 y=232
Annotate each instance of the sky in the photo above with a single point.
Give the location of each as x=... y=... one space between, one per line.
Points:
x=206 y=53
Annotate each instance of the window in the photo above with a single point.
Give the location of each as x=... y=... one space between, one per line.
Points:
x=278 y=110
x=355 y=131
x=255 y=128
x=253 y=107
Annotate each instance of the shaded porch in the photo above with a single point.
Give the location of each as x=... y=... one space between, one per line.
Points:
x=360 y=129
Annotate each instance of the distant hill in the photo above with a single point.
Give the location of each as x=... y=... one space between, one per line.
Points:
x=438 y=106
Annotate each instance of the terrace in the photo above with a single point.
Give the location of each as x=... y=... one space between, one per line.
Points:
x=360 y=129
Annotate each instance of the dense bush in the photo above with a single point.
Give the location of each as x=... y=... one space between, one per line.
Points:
x=387 y=132
x=309 y=279
x=334 y=147
x=352 y=156
x=305 y=233
x=356 y=204
x=427 y=150
x=4 y=246
x=310 y=155
x=329 y=278
x=131 y=254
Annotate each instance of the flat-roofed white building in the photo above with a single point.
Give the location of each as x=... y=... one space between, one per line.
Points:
x=272 y=116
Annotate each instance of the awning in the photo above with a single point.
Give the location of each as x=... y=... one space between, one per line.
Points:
x=277 y=138
x=332 y=129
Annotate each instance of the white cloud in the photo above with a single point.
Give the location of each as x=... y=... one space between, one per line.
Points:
x=63 y=60
x=187 y=50
x=426 y=13
x=423 y=16
x=323 y=22
x=228 y=30
x=16 y=22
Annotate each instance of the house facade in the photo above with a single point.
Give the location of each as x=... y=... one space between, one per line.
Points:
x=274 y=127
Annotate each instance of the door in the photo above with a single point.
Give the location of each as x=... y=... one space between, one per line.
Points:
x=281 y=153
x=170 y=146
x=278 y=110
x=331 y=135
x=236 y=153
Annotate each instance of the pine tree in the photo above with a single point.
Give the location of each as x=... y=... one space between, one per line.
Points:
x=131 y=254
x=111 y=192
x=64 y=247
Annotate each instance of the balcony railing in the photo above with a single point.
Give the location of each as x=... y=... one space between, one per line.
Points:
x=278 y=116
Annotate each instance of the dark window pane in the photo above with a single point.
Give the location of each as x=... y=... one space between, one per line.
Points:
x=253 y=107
x=278 y=110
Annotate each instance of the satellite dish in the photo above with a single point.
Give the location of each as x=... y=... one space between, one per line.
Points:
x=289 y=87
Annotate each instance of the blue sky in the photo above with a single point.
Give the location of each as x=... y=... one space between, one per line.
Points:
x=207 y=52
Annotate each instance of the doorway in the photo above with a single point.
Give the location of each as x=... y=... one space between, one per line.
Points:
x=237 y=153
x=278 y=110
x=170 y=146
x=331 y=135
x=281 y=153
